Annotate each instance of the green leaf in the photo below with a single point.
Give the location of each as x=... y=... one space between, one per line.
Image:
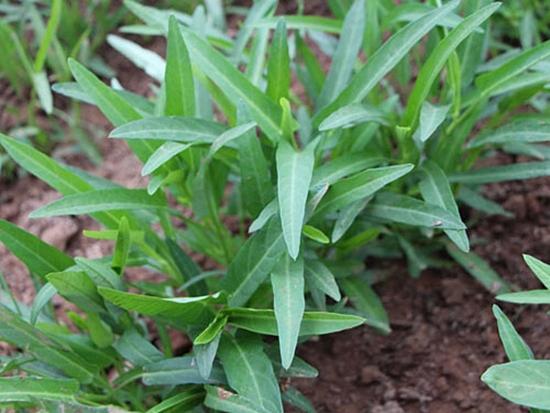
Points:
x=256 y=187
x=487 y=82
x=254 y=262
x=514 y=345
x=476 y=201
x=250 y=372
x=385 y=59
x=520 y=171
x=178 y=370
x=522 y=131
x=184 y=401
x=235 y=85
x=163 y=154
x=539 y=268
x=15 y=331
x=345 y=56
x=42 y=298
x=122 y=246
x=298 y=400
x=77 y=287
x=346 y=218
x=343 y=166
x=431 y=117
x=479 y=269
x=435 y=189
x=316 y=23
x=137 y=349
x=360 y=186
x=411 y=211
x=117 y=199
x=186 y=267
x=316 y=234
x=318 y=275
x=36 y=389
x=367 y=302
x=431 y=68
x=40 y=257
x=42 y=87
x=524 y=382
x=185 y=309
x=294 y=172
x=314 y=323
x=229 y=136
x=170 y=128
x=265 y=215
x=352 y=115
x=178 y=78
x=205 y=355
x=150 y=62
x=278 y=65
x=527 y=297
x=222 y=400
x=212 y=331
x=287 y=280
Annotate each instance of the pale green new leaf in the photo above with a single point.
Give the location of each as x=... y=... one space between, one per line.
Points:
x=147 y=60
x=278 y=65
x=539 y=268
x=287 y=280
x=294 y=172
x=516 y=348
x=163 y=154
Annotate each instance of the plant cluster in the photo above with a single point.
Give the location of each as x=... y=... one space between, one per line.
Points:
x=286 y=178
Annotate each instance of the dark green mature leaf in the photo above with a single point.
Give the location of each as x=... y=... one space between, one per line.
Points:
x=479 y=269
x=178 y=78
x=250 y=372
x=117 y=199
x=367 y=302
x=520 y=171
x=42 y=298
x=287 y=280
x=15 y=331
x=178 y=370
x=78 y=288
x=254 y=262
x=171 y=128
x=36 y=389
x=185 y=309
x=431 y=68
x=235 y=85
x=278 y=65
x=522 y=131
x=516 y=348
x=343 y=60
x=411 y=211
x=40 y=257
x=360 y=186
x=294 y=172
x=163 y=154
x=435 y=189
x=385 y=59
x=222 y=400
x=318 y=275
x=476 y=201
x=137 y=349
x=343 y=166
x=314 y=323
x=525 y=382
x=184 y=401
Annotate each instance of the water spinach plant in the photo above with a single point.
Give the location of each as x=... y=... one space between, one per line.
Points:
x=284 y=178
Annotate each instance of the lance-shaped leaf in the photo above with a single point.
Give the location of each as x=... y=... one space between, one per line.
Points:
x=385 y=59
x=520 y=171
x=185 y=309
x=318 y=275
x=287 y=280
x=431 y=68
x=41 y=258
x=163 y=154
x=78 y=288
x=184 y=401
x=316 y=23
x=435 y=189
x=235 y=84
x=431 y=117
x=170 y=128
x=178 y=370
x=254 y=262
x=539 y=268
x=314 y=322
x=522 y=131
x=352 y=115
x=137 y=349
x=294 y=172
x=147 y=60
x=360 y=186
x=526 y=297
x=250 y=372
x=36 y=389
x=516 y=348
x=346 y=53
x=178 y=78
x=343 y=166
x=278 y=65
x=222 y=400
x=411 y=211
x=525 y=382
x=18 y=332
x=117 y=199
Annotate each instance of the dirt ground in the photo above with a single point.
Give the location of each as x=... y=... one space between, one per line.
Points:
x=444 y=335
